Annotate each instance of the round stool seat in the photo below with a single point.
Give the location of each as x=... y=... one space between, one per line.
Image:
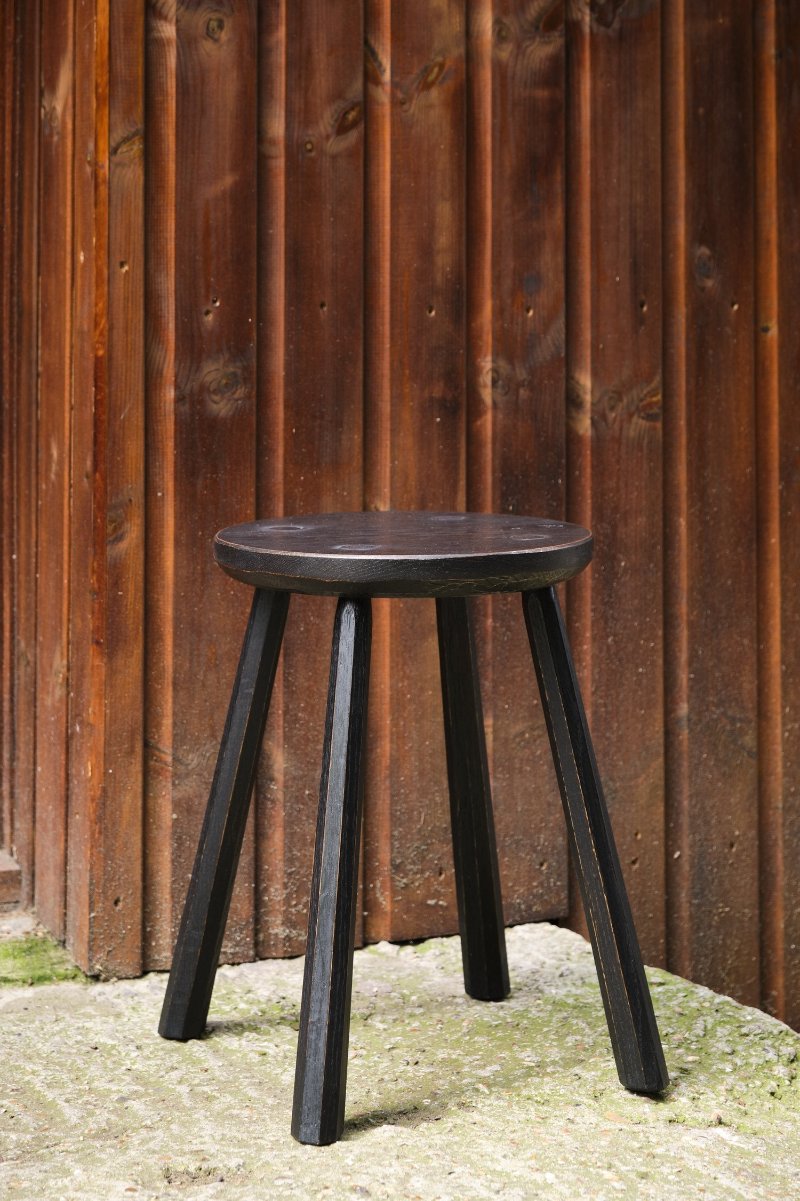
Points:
x=397 y=553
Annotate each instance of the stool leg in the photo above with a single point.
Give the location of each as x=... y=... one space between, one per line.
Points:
x=480 y=908
x=194 y=963
x=626 y=997
x=321 y=1073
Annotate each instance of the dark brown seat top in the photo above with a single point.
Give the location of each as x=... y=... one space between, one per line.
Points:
x=399 y=553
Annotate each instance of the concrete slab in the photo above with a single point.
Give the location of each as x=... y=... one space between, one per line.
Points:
x=448 y=1098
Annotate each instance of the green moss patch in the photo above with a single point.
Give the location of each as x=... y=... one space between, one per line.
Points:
x=35 y=960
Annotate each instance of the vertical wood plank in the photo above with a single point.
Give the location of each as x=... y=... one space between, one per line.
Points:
x=160 y=482
x=625 y=421
x=215 y=255
x=782 y=936
x=578 y=345
x=767 y=383
x=104 y=854
x=55 y=340
x=322 y=261
x=272 y=803
x=87 y=597
x=520 y=389
x=8 y=122
x=117 y=854
x=27 y=82
x=711 y=727
x=378 y=104
x=428 y=444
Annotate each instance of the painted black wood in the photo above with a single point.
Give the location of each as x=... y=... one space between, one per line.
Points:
x=194 y=963
x=321 y=1073
x=626 y=997
x=480 y=908
x=403 y=554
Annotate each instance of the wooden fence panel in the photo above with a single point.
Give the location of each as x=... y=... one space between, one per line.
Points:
x=780 y=631
x=215 y=412
x=315 y=196
x=24 y=382
x=423 y=70
x=516 y=374
x=159 y=906
x=7 y=422
x=55 y=404
x=86 y=765
x=419 y=254
x=624 y=270
x=711 y=733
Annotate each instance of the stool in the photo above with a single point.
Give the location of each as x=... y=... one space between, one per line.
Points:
x=448 y=556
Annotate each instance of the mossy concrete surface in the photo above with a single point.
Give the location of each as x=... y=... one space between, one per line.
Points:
x=35 y=959
x=448 y=1098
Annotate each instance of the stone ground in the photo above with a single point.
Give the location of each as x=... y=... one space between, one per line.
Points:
x=448 y=1098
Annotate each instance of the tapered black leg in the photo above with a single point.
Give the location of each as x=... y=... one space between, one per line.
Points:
x=321 y=1074
x=480 y=908
x=205 y=912
x=626 y=997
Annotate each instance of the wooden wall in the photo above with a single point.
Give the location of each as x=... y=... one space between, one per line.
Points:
x=272 y=256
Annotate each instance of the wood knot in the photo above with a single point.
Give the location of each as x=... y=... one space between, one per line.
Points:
x=224 y=385
x=352 y=117
x=605 y=12
x=578 y=405
x=551 y=18
x=130 y=147
x=51 y=120
x=502 y=33
x=431 y=75
x=706 y=272
x=118 y=522
x=215 y=28
x=374 y=66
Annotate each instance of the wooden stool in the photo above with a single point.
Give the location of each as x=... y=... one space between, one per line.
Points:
x=449 y=556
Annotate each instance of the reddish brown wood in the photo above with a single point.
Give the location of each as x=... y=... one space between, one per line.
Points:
x=117 y=900
x=717 y=849
x=376 y=859
x=364 y=396
x=26 y=214
x=424 y=70
x=161 y=216
x=215 y=271
x=87 y=601
x=55 y=370
x=626 y=421
x=518 y=411
x=782 y=935
x=270 y=812
x=8 y=167
x=578 y=342
x=767 y=391
x=320 y=196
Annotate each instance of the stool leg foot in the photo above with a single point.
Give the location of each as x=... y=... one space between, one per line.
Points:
x=480 y=908
x=205 y=912
x=321 y=1074
x=626 y=997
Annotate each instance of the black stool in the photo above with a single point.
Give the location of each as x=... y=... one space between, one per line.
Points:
x=449 y=556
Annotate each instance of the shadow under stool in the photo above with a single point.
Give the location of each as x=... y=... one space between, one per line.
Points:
x=450 y=557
